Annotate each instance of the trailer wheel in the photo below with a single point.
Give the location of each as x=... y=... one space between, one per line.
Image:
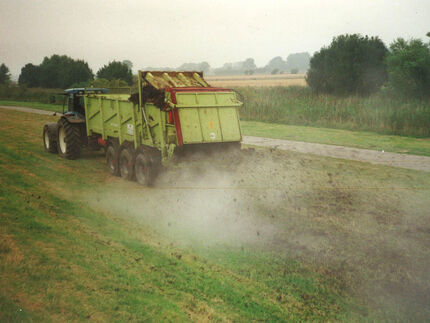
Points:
x=112 y=158
x=126 y=163
x=69 y=140
x=147 y=165
x=50 y=137
x=143 y=169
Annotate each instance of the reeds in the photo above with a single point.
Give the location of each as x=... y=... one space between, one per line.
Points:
x=300 y=106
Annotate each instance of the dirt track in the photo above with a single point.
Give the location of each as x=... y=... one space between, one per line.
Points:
x=31 y=110
x=365 y=155
x=421 y=163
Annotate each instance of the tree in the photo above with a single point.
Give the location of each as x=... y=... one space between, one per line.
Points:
x=298 y=61
x=352 y=64
x=128 y=63
x=204 y=66
x=4 y=74
x=249 y=64
x=276 y=63
x=408 y=65
x=30 y=75
x=116 y=70
x=58 y=72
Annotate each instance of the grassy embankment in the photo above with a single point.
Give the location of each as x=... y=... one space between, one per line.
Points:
x=62 y=260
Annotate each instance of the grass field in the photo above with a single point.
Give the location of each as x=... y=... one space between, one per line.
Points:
x=64 y=260
x=285 y=237
x=257 y=80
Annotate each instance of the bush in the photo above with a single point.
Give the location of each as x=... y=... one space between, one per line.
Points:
x=408 y=65
x=352 y=64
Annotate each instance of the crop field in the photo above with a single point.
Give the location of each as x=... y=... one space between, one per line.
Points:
x=257 y=80
x=269 y=235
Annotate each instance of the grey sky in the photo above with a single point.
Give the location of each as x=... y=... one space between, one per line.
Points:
x=169 y=33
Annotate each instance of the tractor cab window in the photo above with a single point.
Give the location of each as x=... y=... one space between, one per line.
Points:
x=70 y=102
x=75 y=103
x=79 y=104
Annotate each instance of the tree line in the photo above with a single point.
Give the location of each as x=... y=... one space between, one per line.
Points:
x=351 y=64
x=355 y=64
x=61 y=71
x=294 y=63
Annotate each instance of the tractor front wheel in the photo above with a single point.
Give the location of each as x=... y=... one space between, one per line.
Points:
x=50 y=137
x=69 y=140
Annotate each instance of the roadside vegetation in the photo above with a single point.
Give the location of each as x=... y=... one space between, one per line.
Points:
x=380 y=112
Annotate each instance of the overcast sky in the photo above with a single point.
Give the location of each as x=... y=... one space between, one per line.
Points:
x=169 y=33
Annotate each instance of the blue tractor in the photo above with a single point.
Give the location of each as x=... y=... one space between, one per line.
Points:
x=68 y=135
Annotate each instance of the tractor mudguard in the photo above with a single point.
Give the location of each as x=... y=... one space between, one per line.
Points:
x=73 y=118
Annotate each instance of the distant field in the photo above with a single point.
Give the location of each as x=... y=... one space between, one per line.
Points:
x=257 y=80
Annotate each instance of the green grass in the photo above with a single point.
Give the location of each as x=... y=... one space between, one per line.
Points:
x=299 y=106
x=358 y=139
x=65 y=255
x=34 y=105
x=63 y=260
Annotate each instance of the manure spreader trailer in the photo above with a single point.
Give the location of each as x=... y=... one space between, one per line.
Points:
x=170 y=112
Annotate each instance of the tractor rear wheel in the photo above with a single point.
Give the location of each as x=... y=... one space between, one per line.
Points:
x=50 y=137
x=126 y=162
x=69 y=140
x=112 y=158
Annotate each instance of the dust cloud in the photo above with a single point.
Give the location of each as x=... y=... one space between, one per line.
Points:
x=337 y=216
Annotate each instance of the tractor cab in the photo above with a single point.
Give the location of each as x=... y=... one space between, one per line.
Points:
x=74 y=100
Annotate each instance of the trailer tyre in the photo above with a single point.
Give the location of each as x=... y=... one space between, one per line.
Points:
x=69 y=140
x=126 y=163
x=50 y=137
x=112 y=159
x=144 y=169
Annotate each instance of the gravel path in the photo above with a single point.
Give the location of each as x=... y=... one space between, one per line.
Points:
x=31 y=110
x=366 y=155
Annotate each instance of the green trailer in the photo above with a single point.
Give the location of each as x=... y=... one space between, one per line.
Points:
x=171 y=111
